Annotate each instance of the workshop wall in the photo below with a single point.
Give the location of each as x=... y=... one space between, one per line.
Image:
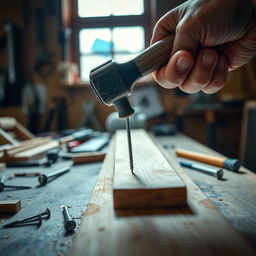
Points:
x=240 y=85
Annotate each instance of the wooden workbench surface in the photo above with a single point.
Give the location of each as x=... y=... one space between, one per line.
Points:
x=234 y=196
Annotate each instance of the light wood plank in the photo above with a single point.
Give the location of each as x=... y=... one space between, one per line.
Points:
x=30 y=154
x=154 y=182
x=204 y=232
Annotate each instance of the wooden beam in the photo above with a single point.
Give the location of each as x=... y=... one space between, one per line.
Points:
x=30 y=154
x=10 y=206
x=154 y=182
x=82 y=158
x=203 y=232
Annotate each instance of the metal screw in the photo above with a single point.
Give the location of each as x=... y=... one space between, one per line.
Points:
x=44 y=178
x=2 y=185
x=70 y=224
x=35 y=221
x=31 y=219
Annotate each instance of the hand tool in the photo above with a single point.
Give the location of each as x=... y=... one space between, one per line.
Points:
x=39 y=216
x=113 y=82
x=70 y=224
x=228 y=163
x=217 y=173
x=44 y=178
x=3 y=185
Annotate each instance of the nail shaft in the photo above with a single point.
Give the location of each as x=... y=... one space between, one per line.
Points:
x=44 y=178
x=2 y=185
x=129 y=143
x=33 y=218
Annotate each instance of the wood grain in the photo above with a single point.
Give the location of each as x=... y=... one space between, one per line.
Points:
x=205 y=232
x=81 y=158
x=10 y=206
x=155 y=56
x=154 y=182
x=30 y=154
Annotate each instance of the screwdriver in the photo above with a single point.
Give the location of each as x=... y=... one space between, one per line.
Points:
x=129 y=143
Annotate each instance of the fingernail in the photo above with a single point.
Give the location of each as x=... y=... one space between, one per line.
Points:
x=183 y=64
x=208 y=59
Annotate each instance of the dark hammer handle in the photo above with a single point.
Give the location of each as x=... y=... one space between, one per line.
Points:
x=155 y=56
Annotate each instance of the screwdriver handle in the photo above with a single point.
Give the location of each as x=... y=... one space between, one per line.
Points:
x=228 y=163
x=155 y=56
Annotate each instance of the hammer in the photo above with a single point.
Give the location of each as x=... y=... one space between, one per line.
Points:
x=113 y=82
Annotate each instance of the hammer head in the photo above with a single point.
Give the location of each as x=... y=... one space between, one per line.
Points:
x=112 y=84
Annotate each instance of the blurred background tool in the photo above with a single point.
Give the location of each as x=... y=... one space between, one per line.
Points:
x=217 y=173
x=228 y=163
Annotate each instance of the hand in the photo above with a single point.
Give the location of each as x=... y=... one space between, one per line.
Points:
x=212 y=37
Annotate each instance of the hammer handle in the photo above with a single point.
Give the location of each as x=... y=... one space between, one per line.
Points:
x=213 y=160
x=155 y=56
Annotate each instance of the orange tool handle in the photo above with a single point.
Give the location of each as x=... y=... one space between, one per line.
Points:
x=229 y=163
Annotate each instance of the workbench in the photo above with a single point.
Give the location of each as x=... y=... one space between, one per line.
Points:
x=235 y=197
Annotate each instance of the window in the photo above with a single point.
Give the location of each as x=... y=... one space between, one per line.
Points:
x=109 y=29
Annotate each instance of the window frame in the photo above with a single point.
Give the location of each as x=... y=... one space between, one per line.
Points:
x=76 y=23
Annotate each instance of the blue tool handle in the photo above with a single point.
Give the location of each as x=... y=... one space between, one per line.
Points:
x=186 y=164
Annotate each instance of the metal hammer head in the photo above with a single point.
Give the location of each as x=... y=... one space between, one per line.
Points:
x=112 y=83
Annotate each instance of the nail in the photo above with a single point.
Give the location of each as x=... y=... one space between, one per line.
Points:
x=183 y=64
x=208 y=59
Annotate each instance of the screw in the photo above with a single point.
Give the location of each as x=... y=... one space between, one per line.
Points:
x=35 y=221
x=2 y=185
x=31 y=219
x=70 y=224
x=44 y=178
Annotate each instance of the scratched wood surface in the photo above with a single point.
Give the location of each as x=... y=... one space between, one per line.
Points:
x=154 y=182
x=203 y=231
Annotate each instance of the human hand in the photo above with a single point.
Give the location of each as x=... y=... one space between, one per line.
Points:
x=212 y=38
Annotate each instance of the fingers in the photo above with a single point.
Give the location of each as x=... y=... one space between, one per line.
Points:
x=219 y=77
x=241 y=51
x=176 y=70
x=202 y=72
x=207 y=73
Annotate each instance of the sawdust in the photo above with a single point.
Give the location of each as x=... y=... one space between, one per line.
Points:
x=208 y=204
x=91 y=209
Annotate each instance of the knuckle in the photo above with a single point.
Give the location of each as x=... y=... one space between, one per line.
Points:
x=200 y=81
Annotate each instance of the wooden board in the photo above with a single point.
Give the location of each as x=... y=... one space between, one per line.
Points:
x=203 y=232
x=82 y=158
x=10 y=206
x=154 y=182
x=30 y=154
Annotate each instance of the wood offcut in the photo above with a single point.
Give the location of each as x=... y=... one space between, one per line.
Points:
x=154 y=182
